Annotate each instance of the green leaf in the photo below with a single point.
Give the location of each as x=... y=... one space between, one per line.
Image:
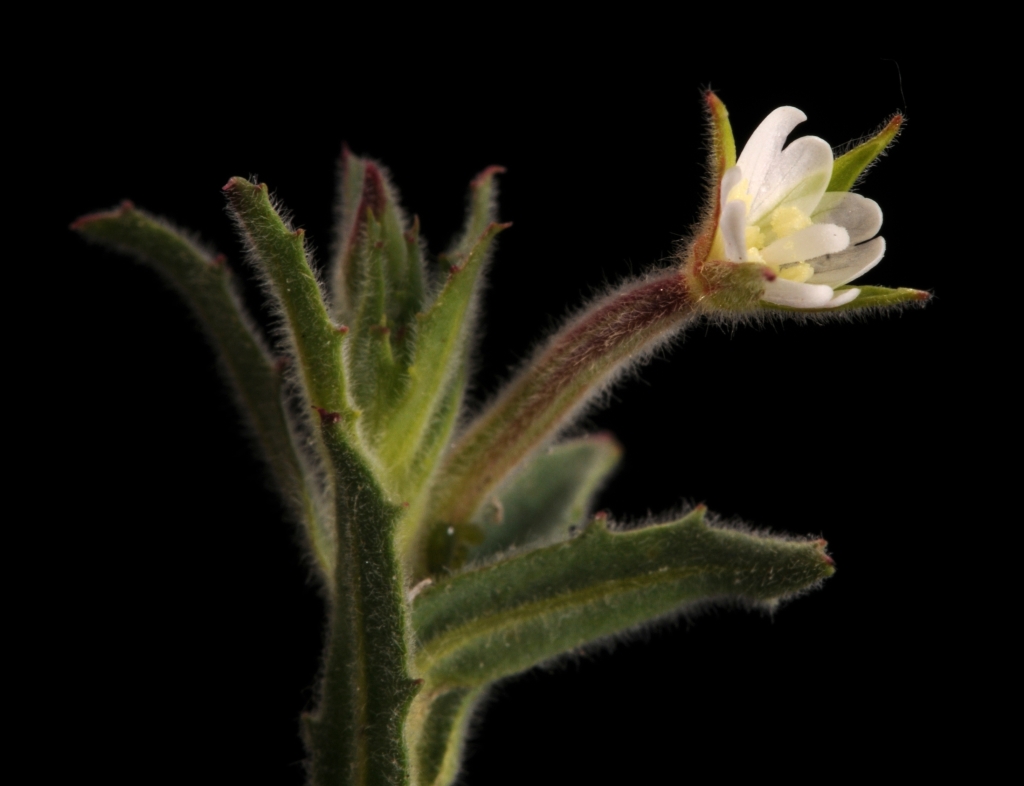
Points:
x=367 y=195
x=375 y=379
x=869 y=298
x=346 y=277
x=481 y=212
x=206 y=285
x=488 y=623
x=441 y=339
x=546 y=499
x=279 y=253
x=848 y=168
x=440 y=735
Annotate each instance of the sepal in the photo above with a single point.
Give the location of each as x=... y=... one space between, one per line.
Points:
x=723 y=143
x=730 y=286
x=868 y=298
x=849 y=167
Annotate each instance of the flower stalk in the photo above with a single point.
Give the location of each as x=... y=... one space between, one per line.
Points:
x=454 y=557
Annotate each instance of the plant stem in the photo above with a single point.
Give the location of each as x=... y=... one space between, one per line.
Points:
x=576 y=363
x=356 y=736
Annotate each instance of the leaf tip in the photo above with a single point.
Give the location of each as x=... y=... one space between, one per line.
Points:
x=822 y=544
x=486 y=175
x=82 y=222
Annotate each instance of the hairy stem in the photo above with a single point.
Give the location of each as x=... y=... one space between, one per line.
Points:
x=574 y=366
x=356 y=736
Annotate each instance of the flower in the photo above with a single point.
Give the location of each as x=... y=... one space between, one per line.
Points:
x=776 y=211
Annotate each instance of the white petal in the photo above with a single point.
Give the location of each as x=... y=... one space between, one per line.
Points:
x=729 y=181
x=789 y=293
x=844 y=297
x=861 y=217
x=838 y=269
x=733 y=224
x=798 y=177
x=765 y=144
x=805 y=244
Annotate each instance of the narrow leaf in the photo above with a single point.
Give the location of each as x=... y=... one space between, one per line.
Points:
x=365 y=192
x=205 y=284
x=375 y=378
x=545 y=500
x=848 y=168
x=356 y=193
x=440 y=351
x=280 y=256
x=481 y=212
x=440 y=736
x=485 y=624
x=442 y=333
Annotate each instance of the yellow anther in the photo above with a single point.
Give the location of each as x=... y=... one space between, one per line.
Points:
x=787 y=220
x=754 y=237
x=800 y=272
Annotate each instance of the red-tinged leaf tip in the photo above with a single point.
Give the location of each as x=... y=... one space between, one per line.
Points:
x=375 y=193
x=769 y=274
x=453 y=270
x=299 y=233
x=230 y=185
x=79 y=223
x=342 y=329
x=701 y=507
x=328 y=417
x=380 y=330
x=414 y=231
x=601 y=515
x=821 y=543
x=405 y=504
x=486 y=175
x=922 y=295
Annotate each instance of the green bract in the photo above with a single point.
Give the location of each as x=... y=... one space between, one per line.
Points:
x=454 y=558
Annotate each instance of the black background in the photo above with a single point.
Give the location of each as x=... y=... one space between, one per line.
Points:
x=185 y=611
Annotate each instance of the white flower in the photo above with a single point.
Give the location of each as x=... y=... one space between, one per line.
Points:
x=775 y=210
